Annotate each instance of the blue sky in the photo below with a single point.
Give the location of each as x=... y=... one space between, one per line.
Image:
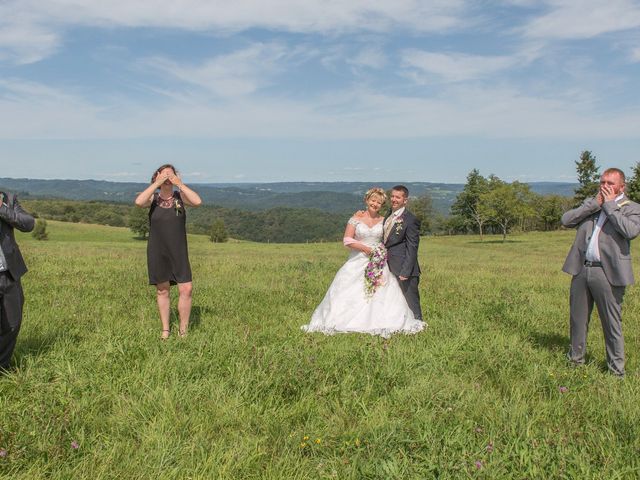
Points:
x=272 y=90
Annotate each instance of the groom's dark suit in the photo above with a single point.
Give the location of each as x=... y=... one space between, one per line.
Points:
x=402 y=244
x=11 y=297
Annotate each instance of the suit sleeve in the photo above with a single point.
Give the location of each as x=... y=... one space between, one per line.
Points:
x=412 y=236
x=573 y=217
x=16 y=216
x=625 y=221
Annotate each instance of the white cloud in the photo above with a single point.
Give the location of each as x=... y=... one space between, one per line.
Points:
x=119 y=175
x=459 y=67
x=239 y=73
x=456 y=67
x=26 y=43
x=43 y=113
x=571 y=19
x=35 y=25
x=19 y=92
x=635 y=55
x=370 y=57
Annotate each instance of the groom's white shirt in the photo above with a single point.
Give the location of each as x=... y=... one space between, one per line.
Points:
x=394 y=215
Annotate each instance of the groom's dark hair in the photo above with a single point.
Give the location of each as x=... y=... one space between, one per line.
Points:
x=403 y=189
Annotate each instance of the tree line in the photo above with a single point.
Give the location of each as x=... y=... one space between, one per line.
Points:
x=490 y=205
x=486 y=205
x=278 y=225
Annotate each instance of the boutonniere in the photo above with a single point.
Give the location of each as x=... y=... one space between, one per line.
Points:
x=178 y=206
x=623 y=203
x=399 y=225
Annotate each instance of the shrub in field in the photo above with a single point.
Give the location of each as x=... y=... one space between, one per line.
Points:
x=138 y=222
x=40 y=230
x=218 y=232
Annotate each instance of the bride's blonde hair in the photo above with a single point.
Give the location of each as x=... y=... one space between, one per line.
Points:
x=375 y=191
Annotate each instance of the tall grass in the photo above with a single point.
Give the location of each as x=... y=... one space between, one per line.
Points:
x=248 y=395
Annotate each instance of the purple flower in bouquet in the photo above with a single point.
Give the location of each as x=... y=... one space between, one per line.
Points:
x=374 y=269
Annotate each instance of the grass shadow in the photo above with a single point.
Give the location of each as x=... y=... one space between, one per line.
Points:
x=493 y=242
x=602 y=366
x=556 y=343
x=34 y=345
x=197 y=315
x=549 y=341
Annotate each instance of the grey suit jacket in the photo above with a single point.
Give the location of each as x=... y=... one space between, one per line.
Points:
x=622 y=226
x=12 y=215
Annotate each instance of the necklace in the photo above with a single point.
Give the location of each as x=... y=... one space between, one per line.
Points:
x=165 y=202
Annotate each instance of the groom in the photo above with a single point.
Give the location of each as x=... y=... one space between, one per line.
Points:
x=402 y=238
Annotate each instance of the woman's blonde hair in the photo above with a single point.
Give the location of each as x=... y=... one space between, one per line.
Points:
x=375 y=191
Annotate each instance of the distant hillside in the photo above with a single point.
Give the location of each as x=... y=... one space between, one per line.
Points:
x=280 y=225
x=335 y=197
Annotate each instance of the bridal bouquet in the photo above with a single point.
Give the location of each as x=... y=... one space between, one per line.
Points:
x=373 y=271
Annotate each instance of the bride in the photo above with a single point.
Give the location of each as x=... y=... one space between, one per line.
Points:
x=347 y=307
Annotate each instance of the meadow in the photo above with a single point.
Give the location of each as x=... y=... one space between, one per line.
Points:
x=484 y=392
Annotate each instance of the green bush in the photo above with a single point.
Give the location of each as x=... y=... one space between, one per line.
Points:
x=40 y=230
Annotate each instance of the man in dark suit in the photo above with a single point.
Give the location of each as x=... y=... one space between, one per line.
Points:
x=402 y=239
x=12 y=267
x=600 y=262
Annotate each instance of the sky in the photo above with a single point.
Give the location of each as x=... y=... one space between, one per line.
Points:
x=317 y=90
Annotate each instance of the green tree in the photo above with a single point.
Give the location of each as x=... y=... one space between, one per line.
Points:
x=39 y=231
x=632 y=188
x=218 y=232
x=550 y=209
x=422 y=208
x=452 y=225
x=138 y=222
x=588 y=177
x=466 y=205
x=506 y=205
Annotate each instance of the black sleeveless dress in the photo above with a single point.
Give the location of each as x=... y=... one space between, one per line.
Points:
x=167 y=254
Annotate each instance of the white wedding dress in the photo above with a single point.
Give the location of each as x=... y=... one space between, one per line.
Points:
x=346 y=307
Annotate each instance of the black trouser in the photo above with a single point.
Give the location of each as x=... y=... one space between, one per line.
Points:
x=11 y=302
x=409 y=288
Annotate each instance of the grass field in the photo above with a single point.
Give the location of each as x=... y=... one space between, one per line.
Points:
x=484 y=392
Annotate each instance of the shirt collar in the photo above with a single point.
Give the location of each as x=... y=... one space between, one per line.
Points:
x=398 y=212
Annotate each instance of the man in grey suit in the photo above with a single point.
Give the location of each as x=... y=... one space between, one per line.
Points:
x=12 y=267
x=600 y=262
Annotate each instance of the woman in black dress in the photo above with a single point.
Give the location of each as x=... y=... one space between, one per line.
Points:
x=167 y=254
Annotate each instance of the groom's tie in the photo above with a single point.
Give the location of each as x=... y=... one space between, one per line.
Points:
x=388 y=225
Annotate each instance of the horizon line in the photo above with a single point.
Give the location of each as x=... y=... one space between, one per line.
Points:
x=263 y=182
